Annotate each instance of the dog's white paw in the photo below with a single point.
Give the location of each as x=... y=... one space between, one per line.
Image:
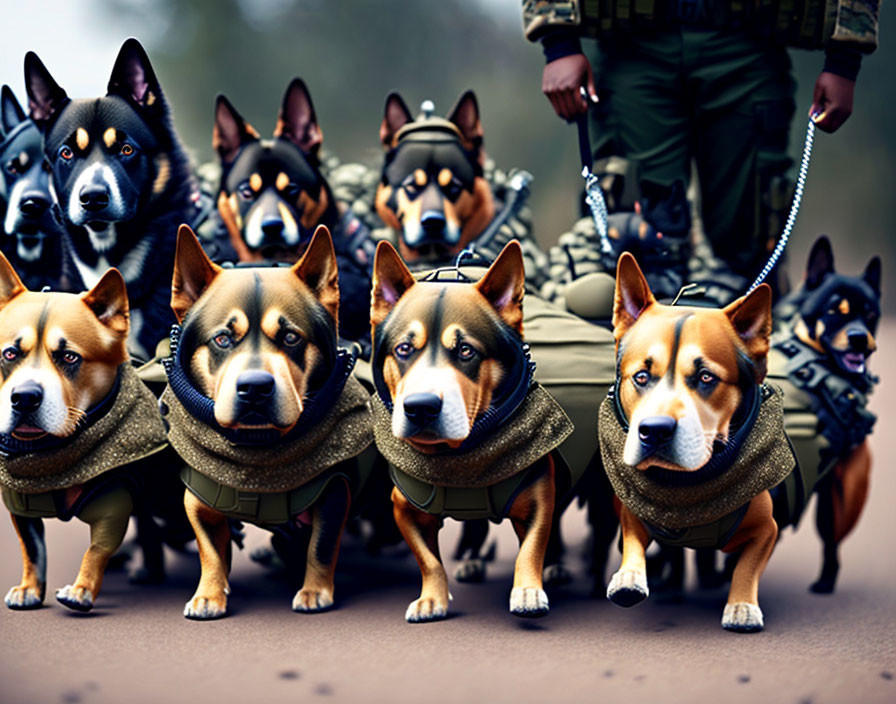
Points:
x=556 y=575
x=528 y=602
x=628 y=587
x=22 y=598
x=75 y=598
x=309 y=601
x=470 y=571
x=201 y=608
x=742 y=617
x=424 y=609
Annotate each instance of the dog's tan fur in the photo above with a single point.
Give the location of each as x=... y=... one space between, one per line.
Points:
x=93 y=325
x=643 y=330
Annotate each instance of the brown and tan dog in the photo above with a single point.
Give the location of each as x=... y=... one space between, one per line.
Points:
x=688 y=381
x=448 y=354
x=67 y=392
x=256 y=354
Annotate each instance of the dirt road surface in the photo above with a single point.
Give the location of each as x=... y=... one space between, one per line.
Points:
x=136 y=646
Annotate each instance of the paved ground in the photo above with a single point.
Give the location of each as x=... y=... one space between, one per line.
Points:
x=136 y=646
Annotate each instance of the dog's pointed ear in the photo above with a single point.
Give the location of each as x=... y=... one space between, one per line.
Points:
x=821 y=262
x=504 y=285
x=465 y=114
x=10 y=283
x=395 y=116
x=297 y=120
x=193 y=272
x=751 y=317
x=318 y=269
x=391 y=280
x=633 y=295
x=45 y=97
x=872 y=274
x=108 y=300
x=231 y=131
x=11 y=113
x=133 y=78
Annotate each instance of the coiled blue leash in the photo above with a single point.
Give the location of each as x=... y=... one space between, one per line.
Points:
x=594 y=196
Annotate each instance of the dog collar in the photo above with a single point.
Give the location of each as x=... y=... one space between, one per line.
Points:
x=10 y=445
x=722 y=458
x=202 y=408
x=519 y=380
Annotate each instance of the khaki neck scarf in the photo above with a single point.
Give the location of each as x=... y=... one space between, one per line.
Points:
x=130 y=430
x=342 y=434
x=538 y=427
x=764 y=460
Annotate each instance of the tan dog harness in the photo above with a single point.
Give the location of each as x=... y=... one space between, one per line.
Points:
x=480 y=482
x=702 y=514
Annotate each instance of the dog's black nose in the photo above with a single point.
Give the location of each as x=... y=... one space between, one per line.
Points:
x=33 y=204
x=858 y=340
x=422 y=409
x=656 y=431
x=272 y=229
x=94 y=197
x=433 y=223
x=254 y=386
x=26 y=397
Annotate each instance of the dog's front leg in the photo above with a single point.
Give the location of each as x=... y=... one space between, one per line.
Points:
x=629 y=585
x=213 y=541
x=29 y=594
x=531 y=513
x=328 y=521
x=108 y=517
x=755 y=538
x=421 y=532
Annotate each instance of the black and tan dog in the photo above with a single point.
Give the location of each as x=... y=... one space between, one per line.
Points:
x=75 y=423
x=33 y=236
x=262 y=408
x=468 y=434
x=691 y=440
x=821 y=361
x=122 y=183
x=433 y=192
x=273 y=196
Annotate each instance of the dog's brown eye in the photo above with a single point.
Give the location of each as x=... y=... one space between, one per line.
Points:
x=465 y=351
x=126 y=149
x=223 y=340
x=10 y=354
x=707 y=377
x=66 y=153
x=404 y=350
x=291 y=339
x=70 y=357
x=641 y=378
x=245 y=190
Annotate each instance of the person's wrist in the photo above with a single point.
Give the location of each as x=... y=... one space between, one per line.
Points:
x=558 y=44
x=843 y=61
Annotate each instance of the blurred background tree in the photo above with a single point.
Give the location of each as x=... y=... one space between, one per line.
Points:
x=351 y=53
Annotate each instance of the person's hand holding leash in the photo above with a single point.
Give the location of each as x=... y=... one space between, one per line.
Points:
x=561 y=80
x=831 y=101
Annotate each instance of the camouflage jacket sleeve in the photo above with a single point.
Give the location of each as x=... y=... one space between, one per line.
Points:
x=540 y=16
x=853 y=22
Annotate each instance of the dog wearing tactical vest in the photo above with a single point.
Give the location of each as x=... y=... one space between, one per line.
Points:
x=467 y=432
x=75 y=425
x=691 y=439
x=262 y=408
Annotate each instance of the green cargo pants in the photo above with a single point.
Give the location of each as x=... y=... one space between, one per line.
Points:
x=719 y=98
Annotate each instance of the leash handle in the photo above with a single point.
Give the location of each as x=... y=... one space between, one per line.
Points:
x=585 y=155
x=594 y=196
